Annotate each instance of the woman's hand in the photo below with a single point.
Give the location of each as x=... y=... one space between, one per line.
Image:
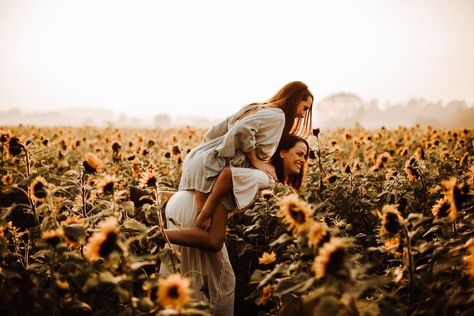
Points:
x=266 y=167
x=203 y=222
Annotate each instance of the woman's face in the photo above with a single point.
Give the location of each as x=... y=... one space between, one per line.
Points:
x=303 y=106
x=294 y=159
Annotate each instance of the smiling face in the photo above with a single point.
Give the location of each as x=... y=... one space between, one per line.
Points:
x=303 y=106
x=294 y=159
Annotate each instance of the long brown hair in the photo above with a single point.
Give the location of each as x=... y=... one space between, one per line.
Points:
x=287 y=98
x=286 y=143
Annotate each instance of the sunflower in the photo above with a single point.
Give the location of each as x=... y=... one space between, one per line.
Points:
x=267 y=258
x=103 y=242
x=412 y=173
x=420 y=154
x=37 y=189
x=296 y=213
x=318 y=234
x=148 y=179
x=454 y=194
x=53 y=237
x=106 y=184
x=14 y=146
x=5 y=136
x=8 y=179
x=174 y=291
x=266 y=295
x=383 y=159
x=391 y=174
x=91 y=163
x=136 y=168
x=330 y=259
x=442 y=208
x=391 y=220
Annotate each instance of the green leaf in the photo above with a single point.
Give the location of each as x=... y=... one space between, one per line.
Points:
x=133 y=224
x=281 y=240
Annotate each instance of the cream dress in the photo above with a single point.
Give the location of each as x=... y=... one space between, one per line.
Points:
x=226 y=143
x=211 y=274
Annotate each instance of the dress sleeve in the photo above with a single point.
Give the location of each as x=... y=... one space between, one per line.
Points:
x=242 y=136
x=217 y=130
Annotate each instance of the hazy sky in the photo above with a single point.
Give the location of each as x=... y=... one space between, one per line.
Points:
x=209 y=58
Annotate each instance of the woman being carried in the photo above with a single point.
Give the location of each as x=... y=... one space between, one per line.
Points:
x=212 y=270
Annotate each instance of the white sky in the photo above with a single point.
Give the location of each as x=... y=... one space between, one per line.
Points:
x=209 y=58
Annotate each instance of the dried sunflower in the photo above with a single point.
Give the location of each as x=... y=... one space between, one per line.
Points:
x=91 y=163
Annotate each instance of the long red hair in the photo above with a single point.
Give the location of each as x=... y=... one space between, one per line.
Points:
x=287 y=98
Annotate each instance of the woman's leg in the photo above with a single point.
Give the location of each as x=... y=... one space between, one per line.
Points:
x=211 y=240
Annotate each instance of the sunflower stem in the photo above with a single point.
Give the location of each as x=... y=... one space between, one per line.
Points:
x=83 y=189
x=410 y=266
x=27 y=158
x=162 y=227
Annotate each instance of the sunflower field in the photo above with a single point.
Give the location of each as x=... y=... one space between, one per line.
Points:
x=382 y=226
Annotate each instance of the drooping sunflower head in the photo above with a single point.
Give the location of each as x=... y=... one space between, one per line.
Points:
x=106 y=184
x=442 y=208
x=14 y=146
x=53 y=237
x=410 y=169
x=38 y=189
x=330 y=259
x=174 y=291
x=383 y=159
x=295 y=213
x=103 y=242
x=91 y=163
x=4 y=135
x=391 y=220
x=454 y=192
x=148 y=179
x=318 y=234
x=419 y=154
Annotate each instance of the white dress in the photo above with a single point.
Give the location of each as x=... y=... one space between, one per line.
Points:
x=226 y=143
x=208 y=267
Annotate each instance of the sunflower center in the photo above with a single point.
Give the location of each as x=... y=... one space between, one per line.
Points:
x=151 y=181
x=173 y=292
x=392 y=224
x=336 y=261
x=108 y=245
x=40 y=190
x=297 y=215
